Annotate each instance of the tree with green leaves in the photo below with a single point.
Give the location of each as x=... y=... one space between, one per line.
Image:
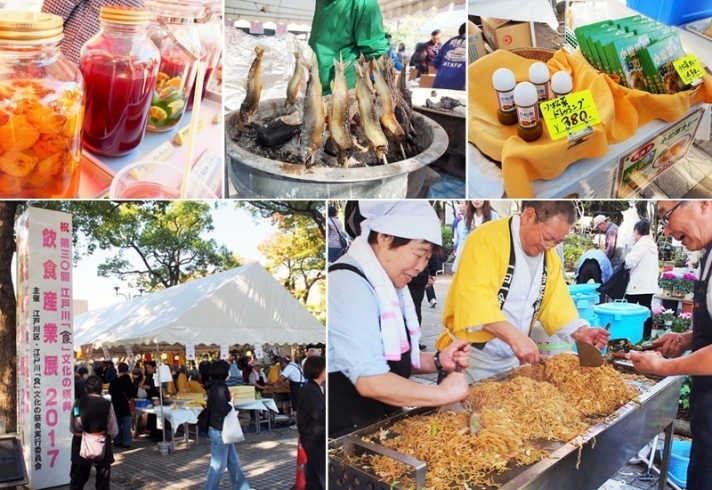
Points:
x=284 y=213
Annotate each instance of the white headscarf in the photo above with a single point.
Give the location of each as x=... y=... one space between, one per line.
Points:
x=415 y=220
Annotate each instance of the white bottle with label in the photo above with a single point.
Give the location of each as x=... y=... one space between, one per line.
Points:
x=526 y=98
x=561 y=84
x=504 y=82
x=539 y=76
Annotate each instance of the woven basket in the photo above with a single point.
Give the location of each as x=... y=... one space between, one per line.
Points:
x=539 y=54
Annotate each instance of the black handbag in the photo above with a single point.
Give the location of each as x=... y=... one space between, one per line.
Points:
x=616 y=285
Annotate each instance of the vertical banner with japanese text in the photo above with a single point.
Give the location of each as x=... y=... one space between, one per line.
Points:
x=45 y=344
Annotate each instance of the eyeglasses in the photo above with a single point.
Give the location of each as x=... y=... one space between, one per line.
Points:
x=546 y=242
x=665 y=220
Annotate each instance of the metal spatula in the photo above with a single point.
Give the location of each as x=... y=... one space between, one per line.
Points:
x=589 y=355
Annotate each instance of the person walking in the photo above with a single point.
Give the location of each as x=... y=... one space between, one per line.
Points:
x=691 y=223
x=311 y=423
x=642 y=261
x=476 y=213
x=291 y=371
x=613 y=251
x=94 y=415
x=450 y=62
x=428 y=52
x=221 y=455
x=122 y=391
x=336 y=236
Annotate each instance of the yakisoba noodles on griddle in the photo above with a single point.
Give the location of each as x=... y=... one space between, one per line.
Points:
x=512 y=413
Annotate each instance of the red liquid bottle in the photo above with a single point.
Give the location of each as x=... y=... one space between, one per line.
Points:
x=120 y=65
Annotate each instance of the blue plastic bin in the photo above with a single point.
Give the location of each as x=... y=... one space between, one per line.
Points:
x=679 y=459
x=585 y=298
x=673 y=12
x=583 y=288
x=626 y=319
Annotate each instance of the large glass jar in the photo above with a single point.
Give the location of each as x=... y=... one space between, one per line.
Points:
x=211 y=39
x=174 y=31
x=41 y=109
x=119 y=65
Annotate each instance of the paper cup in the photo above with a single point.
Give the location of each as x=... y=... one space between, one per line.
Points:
x=154 y=180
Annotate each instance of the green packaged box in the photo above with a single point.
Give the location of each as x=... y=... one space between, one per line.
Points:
x=622 y=55
x=656 y=61
x=629 y=25
x=601 y=63
x=609 y=65
x=582 y=34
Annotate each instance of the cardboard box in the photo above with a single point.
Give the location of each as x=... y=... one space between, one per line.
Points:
x=505 y=34
x=475 y=43
x=426 y=81
x=413 y=73
x=432 y=70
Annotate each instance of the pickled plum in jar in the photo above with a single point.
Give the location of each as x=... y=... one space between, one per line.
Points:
x=40 y=138
x=173 y=84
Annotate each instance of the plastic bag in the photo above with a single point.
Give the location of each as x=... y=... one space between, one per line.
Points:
x=232 y=432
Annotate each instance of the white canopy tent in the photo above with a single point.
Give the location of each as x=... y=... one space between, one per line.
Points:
x=448 y=21
x=245 y=305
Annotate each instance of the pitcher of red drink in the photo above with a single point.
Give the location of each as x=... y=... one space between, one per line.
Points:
x=174 y=31
x=41 y=109
x=120 y=66
x=210 y=33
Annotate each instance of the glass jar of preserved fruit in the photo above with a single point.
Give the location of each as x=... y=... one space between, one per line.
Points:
x=41 y=109
x=174 y=30
x=120 y=65
x=210 y=33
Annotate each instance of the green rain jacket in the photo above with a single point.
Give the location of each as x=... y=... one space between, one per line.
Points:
x=352 y=27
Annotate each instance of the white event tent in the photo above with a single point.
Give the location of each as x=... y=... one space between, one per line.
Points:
x=245 y=305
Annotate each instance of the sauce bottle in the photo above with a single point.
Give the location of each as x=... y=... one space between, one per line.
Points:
x=561 y=84
x=529 y=126
x=539 y=77
x=504 y=82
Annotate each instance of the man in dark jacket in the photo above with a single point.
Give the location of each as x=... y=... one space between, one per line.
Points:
x=122 y=390
x=80 y=376
x=149 y=384
x=92 y=414
x=311 y=422
x=428 y=52
x=110 y=372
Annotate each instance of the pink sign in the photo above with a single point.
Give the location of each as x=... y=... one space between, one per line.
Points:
x=45 y=344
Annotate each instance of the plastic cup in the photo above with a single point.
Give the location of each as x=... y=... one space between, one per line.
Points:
x=155 y=180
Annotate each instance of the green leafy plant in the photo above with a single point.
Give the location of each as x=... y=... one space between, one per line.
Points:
x=667 y=280
x=685 y=284
x=446 y=232
x=574 y=247
x=684 y=402
x=680 y=258
x=682 y=322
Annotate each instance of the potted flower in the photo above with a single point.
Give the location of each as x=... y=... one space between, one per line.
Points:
x=682 y=322
x=663 y=317
x=667 y=282
x=685 y=285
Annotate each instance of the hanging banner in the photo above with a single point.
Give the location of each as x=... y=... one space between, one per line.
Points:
x=259 y=353
x=256 y=27
x=282 y=29
x=190 y=352
x=106 y=353
x=45 y=348
x=224 y=351
x=129 y=351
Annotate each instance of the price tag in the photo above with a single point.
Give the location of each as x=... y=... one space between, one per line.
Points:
x=569 y=114
x=689 y=69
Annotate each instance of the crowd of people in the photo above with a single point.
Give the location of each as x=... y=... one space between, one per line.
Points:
x=108 y=422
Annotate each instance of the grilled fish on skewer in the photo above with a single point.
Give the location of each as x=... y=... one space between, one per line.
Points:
x=388 y=119
x=312 y=135
x=339 y=117
x=294 y=82
x=402 y=107
x=367 y=114
x=253 y=87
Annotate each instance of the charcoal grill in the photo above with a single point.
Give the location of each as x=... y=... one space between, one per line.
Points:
x=604 y=448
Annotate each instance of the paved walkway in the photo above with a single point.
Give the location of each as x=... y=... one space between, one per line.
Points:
x=268 y=460
x=625 y=479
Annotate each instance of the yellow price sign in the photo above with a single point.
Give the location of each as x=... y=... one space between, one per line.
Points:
x=569 y=114
x=689 y=69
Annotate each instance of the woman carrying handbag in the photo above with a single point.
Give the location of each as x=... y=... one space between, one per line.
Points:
x=222 y=455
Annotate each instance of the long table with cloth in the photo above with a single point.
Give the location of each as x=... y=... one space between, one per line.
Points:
x=187 y=416
x=622 y=110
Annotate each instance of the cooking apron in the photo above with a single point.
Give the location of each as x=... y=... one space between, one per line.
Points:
x=348 y=410
x=699 y=471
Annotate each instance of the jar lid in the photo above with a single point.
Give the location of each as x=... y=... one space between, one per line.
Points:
x=179 y=11
x=124 y=15
x=30 y=27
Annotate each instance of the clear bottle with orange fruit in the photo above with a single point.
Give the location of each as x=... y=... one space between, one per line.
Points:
x=41 y=109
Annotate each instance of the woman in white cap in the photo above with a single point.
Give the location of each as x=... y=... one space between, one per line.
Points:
x=373 y=328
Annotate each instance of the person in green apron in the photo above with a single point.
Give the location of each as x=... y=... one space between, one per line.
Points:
x=346 y=28
x=690 y=222
x=373 y=329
